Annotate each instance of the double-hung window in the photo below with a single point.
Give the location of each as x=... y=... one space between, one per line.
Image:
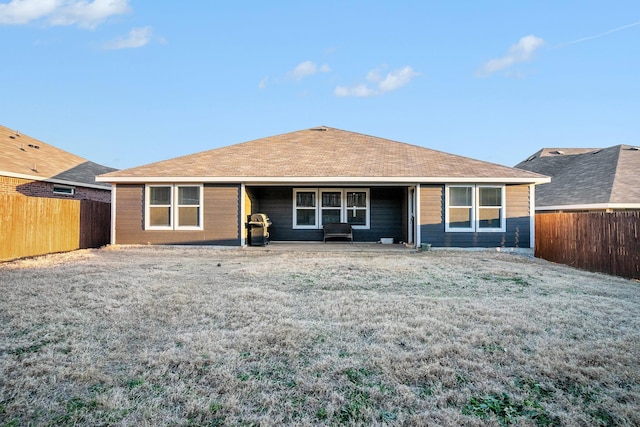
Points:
x=357 y=208
x=173 y=207
x=305 y=205
x=471 y=208
x=314 y=207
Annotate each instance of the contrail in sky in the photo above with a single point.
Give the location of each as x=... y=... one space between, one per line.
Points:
x=584 y=39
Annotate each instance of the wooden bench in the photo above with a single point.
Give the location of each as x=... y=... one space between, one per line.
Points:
x=338 y=230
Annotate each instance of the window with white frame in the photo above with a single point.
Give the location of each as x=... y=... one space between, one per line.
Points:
x=314 y=207
x=305 y=205
x=471 y=208
x=490 y=208
x=173 y=207
x=64 y=189
x=357 y=208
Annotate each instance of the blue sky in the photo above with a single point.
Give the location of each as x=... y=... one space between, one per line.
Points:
x=125 y=83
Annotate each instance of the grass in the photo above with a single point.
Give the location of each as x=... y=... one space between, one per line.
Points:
x=206 y=337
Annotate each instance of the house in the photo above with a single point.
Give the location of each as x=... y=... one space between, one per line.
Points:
x=36 y=169
x=303 y=179
x=587 y=179
x=50 y=200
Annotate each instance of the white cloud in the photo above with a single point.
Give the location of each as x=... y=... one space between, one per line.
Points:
x=359 y=91
x=519 y=52
x=263 y=83
x=394 y=80
x=19 y=12
x=84 y=13
x=137 y=37
x=308 y=68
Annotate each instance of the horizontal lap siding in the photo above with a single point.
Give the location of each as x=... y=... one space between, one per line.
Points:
x=432 y=214
x=388 y=214
x=221 y=211
x=432 y=205
x=518 y=220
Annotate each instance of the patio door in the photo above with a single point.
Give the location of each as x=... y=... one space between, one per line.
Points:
x=411 y=221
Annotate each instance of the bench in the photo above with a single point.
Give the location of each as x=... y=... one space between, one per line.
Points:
x=338 y=229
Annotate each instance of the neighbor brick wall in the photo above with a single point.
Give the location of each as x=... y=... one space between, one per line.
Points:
x=26 y=187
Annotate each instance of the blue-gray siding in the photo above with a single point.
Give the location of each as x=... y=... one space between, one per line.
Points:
x=432 y=229
x=387 y=204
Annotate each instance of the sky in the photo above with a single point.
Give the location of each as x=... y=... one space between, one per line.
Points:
x=125 y=82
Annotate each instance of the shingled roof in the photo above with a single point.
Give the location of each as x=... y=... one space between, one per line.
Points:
x=22 y=156
x=322 y=153
x=586 y=178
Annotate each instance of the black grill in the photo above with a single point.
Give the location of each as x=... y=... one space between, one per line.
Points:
x=259 y=229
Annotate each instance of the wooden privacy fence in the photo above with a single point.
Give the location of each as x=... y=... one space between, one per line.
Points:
x=37 y=225
x=594 y=241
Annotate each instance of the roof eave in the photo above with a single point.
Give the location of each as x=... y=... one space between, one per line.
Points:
x=588 y=206
x=104 y=186
x=315 y=179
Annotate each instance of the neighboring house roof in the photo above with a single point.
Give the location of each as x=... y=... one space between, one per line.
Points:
x=323 y=154
x=587 y=178
x=24 y=157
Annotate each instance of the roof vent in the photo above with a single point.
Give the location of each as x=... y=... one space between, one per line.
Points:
x=634 y=148
x=37 y=147
x=320 y=128
x=560 y=152
x=531 y=158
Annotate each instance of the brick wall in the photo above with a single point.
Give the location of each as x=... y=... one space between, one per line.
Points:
x=16 y=186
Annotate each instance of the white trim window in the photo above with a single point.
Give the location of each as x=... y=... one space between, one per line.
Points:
x=305 y=204
x=491 y=208
x=173 y=207
x=314 y=207
x=471 y=208
x=66 y=190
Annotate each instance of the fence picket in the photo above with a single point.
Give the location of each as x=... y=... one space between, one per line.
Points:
x=38 y=225
x=594 y=241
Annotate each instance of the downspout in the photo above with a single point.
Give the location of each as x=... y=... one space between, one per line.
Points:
x=243 y=195
x=418 y=232
x=532 y=216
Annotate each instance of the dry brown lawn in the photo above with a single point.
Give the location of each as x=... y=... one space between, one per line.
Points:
x=165 y=336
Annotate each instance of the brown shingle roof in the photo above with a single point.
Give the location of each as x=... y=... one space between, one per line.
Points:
x=23 y=156
x=321 y=152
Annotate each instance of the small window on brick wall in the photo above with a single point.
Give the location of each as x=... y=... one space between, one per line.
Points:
x=64 y=189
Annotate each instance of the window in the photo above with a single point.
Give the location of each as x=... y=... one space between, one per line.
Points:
x=490 y=208
x=159 y=207
x=305 y=214
x=188 y=206
x=356 y=208
x=461 y=208
x=173 y=207
x=331 y=207
x=314 y=207
x=471 y=208
x=64 y=189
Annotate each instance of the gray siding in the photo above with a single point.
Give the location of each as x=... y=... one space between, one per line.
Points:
x=387 y=204
x=432 y=229
x=221 y=218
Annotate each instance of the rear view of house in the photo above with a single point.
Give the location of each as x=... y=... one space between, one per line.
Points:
x=305 y=179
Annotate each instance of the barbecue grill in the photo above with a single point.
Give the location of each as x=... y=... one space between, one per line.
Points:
x=259 y=229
